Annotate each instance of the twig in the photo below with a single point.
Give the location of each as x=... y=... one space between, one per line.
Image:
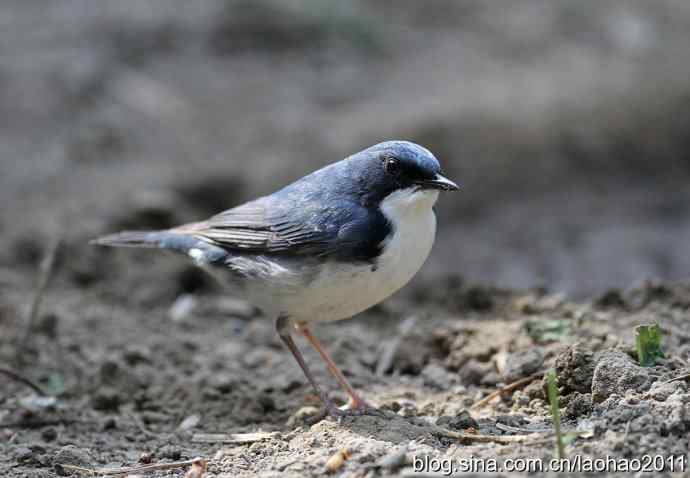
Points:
x=233 y=437
x=508 y=388
x=475 y=438
x=44 y=274
x=678 y=379
x=133 y=469
x=509 y=429
x=16 y=376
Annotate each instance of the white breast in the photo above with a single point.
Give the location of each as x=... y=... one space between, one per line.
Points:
x=340 y=291
x=414 y=221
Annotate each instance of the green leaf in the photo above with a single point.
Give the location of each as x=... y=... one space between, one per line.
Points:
x=553 y=330
x=54 y=384
x=570 y=437
x=648 y=344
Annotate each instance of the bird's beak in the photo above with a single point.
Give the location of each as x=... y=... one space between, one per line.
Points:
x=439 y=182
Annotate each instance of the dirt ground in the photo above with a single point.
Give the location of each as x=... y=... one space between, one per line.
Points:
x=138 y=381
x=567 y=128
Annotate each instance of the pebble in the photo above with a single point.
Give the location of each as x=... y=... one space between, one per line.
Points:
x=182 y=308
x=49 y=434
x=395 y=460
x=170 y=452
x=106 y=399
x=461 y=421
x=523 y=364
x=231 y=307
x=189 y=423
x=71 y=455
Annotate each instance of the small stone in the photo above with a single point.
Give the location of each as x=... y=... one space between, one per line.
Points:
x=526 y=304
x=49 y=434
x=336 y=461
x=36 y=403
x=109 y=370
x=491 y=379
x=48 y=325
x=146 y=458
x=71 y=455
x=523 y=364
x=515 y=421
x=395 y=460
x=535 y=390
x=266 y=402
x=189 y=423
x=170 y=452
x=612 y=298
x=109 y=424
x=231 y=307
x=462 y=421
x=477 y=298
x=520 y=399
x=393 y=406
x=135 y=355
x=182 y=308
x=407 y=409
x=23 y=454
x=474 y=371
x=106 y=399
x=532 y=304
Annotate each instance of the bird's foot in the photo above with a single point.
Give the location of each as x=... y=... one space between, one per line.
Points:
x=358 y=407
x=354 y=408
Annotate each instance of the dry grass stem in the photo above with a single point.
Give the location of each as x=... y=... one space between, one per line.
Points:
x=233 y=437
x=508 y=388
x=44 y=275
x=196 y=462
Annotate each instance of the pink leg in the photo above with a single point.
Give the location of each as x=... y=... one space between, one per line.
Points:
x=283 y=326
x=356 y=402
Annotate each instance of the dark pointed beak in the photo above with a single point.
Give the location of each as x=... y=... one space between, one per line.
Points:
x=439 y=182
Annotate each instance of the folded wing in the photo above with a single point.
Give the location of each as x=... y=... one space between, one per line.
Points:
x=265 y=226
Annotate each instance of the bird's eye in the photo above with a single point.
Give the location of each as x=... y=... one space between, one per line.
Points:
x=391 y=165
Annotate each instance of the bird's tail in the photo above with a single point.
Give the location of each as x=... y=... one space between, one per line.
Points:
x=132 y=239
x=176 y=241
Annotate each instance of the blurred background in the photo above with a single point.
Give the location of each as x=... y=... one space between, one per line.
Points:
x=566 y=122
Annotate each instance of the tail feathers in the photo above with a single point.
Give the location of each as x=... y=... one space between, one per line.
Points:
x=200 y=251
x=131 y=239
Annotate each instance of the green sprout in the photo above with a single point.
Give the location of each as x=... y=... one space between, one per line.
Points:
x=544 y=331
x=648 y=344
x=555 y=412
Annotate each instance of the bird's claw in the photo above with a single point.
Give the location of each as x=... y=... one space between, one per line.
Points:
x=352 y=409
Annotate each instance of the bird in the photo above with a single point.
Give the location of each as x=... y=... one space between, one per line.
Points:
x=323 y=248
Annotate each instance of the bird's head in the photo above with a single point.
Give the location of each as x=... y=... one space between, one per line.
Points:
x=403 y=171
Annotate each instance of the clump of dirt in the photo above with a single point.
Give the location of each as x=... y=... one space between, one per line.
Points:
x=575 y=369
x=616 y=373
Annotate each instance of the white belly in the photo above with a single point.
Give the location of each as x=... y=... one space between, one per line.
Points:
x=340 y=291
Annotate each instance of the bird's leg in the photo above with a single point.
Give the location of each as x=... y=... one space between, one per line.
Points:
x=356 y=402
x=283 y=325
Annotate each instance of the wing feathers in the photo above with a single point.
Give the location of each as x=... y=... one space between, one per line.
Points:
x=290 y=229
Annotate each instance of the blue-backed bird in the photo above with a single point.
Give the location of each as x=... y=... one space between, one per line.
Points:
x=324 y=248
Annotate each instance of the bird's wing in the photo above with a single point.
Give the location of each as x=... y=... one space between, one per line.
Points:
x=267 y=226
